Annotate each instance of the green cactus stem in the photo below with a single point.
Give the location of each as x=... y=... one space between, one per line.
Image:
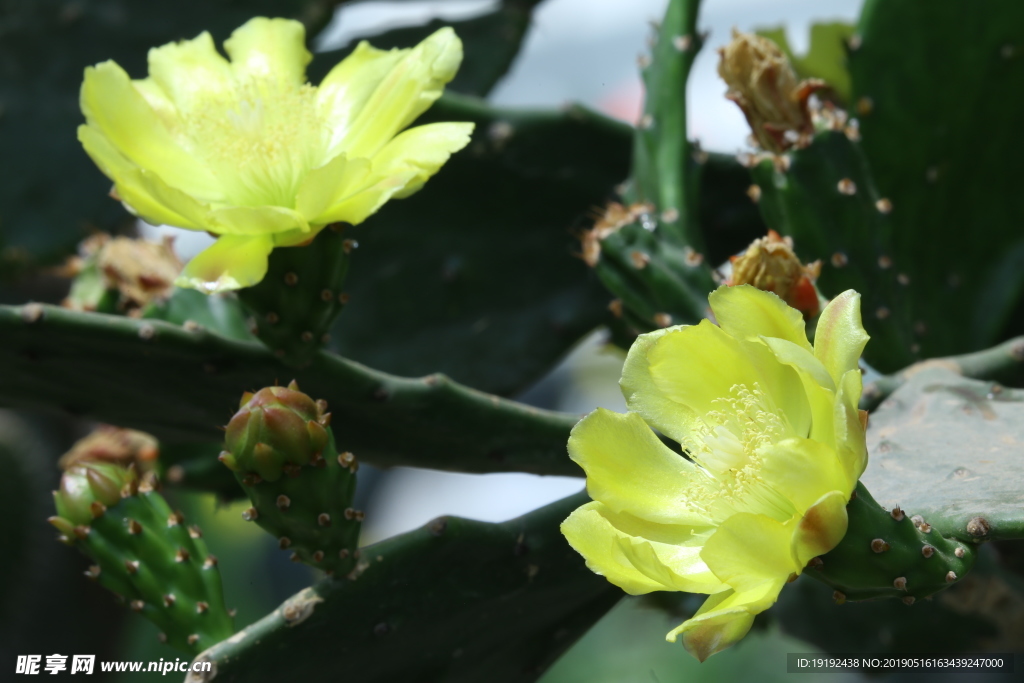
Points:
x=457 y=600
x=1002 y=363
x=889 y=553
x=280 y=446
x=144 y=552
x=55 y=357
x=648 y=254
x=300 y=296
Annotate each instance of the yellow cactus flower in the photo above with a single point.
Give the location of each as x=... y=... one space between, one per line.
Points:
x=773 y=446
x=249 y=151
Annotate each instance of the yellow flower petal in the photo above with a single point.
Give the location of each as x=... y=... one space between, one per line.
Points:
x=356 y=208
x=850 y=438
x=409 y=88
x=194 y=215
x=639 y=556
x=269 y=48
x=191 y=72
x=684 y=372
x=749 y=313
x=114 y=107
x=801 y=469
x=800 y=359
x=675 y=567
x=839 y=338
x=818 y=386
x=160 y=103
x=335 y=181
x=256 y=220
x=296 y=237
x=343 y=93
x=129 y=185
x=398 y=170
x=669 y=553
x=821 y=528
x=423 y=149
x=630 y=470
x=232 y=262
x=591 y=536
x=724 y=619
x=747 y=550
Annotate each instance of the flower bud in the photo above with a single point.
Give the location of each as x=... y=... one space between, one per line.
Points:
x=276 y=427
x=86 y=483
x=112 y=444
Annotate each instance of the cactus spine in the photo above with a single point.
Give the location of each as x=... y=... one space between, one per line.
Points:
x=280 y=446
x=144 y=552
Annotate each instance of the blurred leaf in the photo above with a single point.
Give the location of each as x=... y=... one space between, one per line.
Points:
x=628 y=646
x=220 y=313
x=940 y=91
x=475 y=276
x=807 y=610
x=729 y=219
x=454 y=601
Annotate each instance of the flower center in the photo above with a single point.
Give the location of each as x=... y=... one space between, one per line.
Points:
x=260 y=139
x=727 y=448
x=744 y=421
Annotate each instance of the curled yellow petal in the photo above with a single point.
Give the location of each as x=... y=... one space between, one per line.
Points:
x=640 y=556
x=748 y=549
x=746 y=312
x=269 y=49
x=232 y=262
x=115 y=110
x=724 y=619
x=648 y=482
x=839 y=338
x=413 y=83
x=821 y=528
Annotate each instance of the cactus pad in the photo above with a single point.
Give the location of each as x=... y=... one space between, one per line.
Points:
x=281 y=449
x=948 y=448
x=889 y=553
x=301 y=295
x=457 y=601
x=144 y=552
x=56 y=357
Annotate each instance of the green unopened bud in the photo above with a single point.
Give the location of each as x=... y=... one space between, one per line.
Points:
x=275 y=429
x=88 y=483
